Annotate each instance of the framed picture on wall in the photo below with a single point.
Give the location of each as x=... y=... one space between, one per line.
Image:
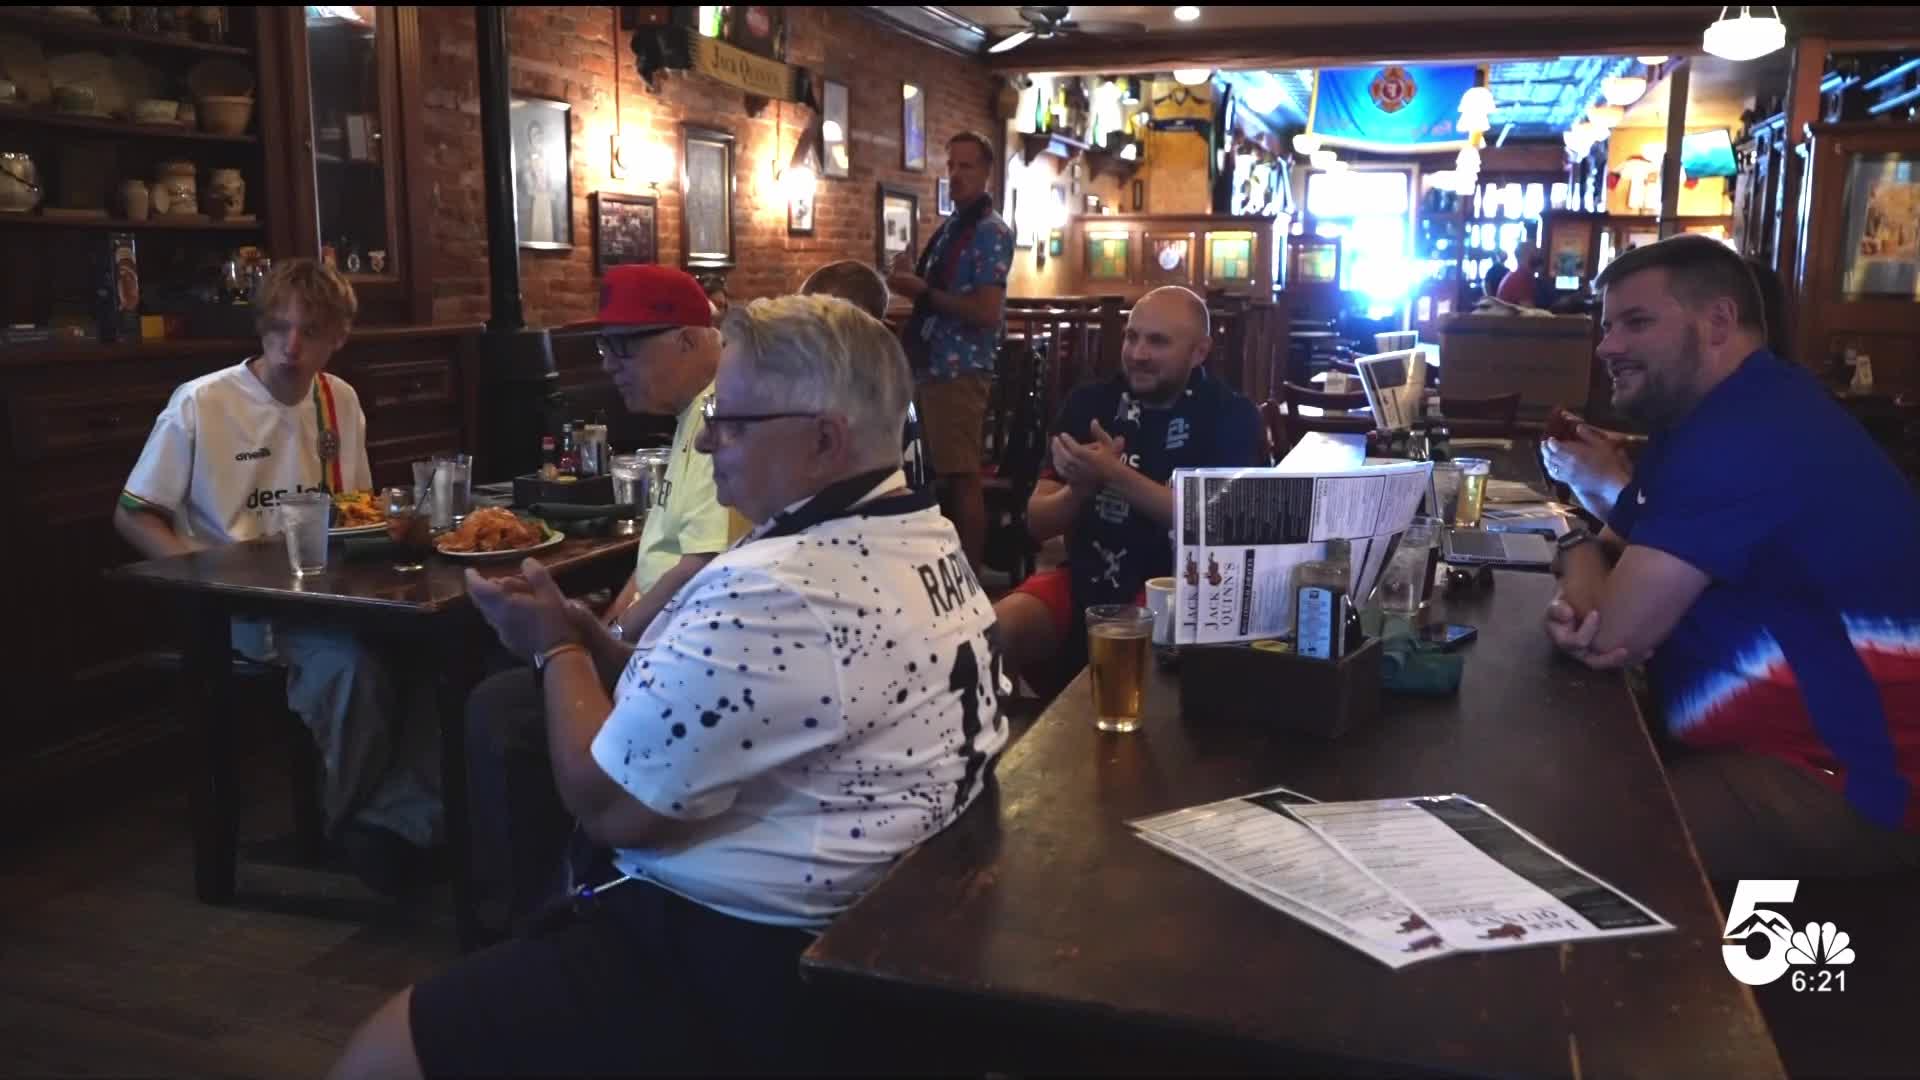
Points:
x=1109 y=254
x=800 y=215
x=1880 y=250
x=1230 y=258
x=626 y=229
x=943 y=197
x=542 y=175
x=913 y=128
x=896 y=226
x=1169 y=258
x=707 y=197
x=835 y=136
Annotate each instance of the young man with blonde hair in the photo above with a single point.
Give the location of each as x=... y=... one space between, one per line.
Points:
x=223 y=453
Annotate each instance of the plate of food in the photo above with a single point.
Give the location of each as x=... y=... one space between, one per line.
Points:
x=357 y=513
x=491 y=532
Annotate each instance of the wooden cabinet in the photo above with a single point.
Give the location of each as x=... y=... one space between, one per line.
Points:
x=350 y=154
x=1857 y=274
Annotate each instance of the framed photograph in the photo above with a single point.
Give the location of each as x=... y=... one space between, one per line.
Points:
x=835 y=136
x=1109 y=255
x=707 y=202
x=1139 y=196
x=1880 y=251
x=913 y=127
x=1055 y=244
x=1230 y=258
x=800 y=216
x=1169 y=258
x=542 y=175
x=896 y=223
x=761 y=31
x=943 y=197
x=626 y=229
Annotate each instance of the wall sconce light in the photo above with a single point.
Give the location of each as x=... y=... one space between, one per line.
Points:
x=1192 y=76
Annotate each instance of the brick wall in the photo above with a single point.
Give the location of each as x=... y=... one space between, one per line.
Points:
x=568 y=53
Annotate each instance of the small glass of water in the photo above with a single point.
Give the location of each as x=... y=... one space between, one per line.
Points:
x=452 y=489
x=1404 y=581
x=304 y=518
x=626 y=472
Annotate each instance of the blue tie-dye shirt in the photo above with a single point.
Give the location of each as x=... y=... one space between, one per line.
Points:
x=1806 y=643
x=959 y=347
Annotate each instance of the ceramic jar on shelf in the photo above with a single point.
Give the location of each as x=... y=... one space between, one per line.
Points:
x=226 y=194
x=175 y=189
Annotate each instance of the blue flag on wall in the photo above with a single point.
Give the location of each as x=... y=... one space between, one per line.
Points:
x=1392 y=107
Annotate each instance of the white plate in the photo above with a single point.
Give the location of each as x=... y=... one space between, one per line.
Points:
x=359 y=530
x=482 y=555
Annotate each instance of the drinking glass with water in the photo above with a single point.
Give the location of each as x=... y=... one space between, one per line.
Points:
x=304 y=518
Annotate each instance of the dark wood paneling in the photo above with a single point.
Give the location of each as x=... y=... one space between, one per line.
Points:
x=75 y=421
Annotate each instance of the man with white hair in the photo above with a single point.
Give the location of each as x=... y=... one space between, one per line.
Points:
x=816 y=701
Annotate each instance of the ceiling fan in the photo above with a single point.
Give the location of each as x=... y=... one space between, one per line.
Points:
x=1052 y=20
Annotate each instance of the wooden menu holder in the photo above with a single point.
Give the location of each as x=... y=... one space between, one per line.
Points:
x=1242 y=684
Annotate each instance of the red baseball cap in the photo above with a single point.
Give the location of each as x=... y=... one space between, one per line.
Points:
x=646 y=295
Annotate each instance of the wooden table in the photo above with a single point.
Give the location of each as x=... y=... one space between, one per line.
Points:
x=1041 y=915
x=424 y=616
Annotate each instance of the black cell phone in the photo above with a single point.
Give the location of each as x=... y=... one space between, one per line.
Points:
x=1448 y=635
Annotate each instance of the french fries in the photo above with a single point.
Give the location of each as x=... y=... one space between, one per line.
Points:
x=353 y=509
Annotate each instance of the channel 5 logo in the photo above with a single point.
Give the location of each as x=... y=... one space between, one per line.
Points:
x=1761 y=945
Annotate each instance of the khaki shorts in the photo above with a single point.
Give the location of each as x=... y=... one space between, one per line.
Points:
x=953 y=422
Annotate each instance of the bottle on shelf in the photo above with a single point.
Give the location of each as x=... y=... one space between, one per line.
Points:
x=569 y=455
x=549 y=458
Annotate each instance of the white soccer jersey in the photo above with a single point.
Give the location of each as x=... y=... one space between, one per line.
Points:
x=809 y=708
x=225 y=451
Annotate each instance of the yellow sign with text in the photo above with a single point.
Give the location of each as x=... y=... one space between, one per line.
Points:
x=740 y=69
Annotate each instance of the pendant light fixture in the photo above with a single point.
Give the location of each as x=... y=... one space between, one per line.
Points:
x=1606 y=117
x=1623 y=90
x=1192 y=76
x=1745 y=37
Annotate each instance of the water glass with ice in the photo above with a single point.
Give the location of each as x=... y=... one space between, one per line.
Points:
x=304 y=518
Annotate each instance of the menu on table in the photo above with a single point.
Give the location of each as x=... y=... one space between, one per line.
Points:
x=1401 y=880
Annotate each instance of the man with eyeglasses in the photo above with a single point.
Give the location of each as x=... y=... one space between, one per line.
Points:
x=817 y=701
x=656 y=340
x=223 y=453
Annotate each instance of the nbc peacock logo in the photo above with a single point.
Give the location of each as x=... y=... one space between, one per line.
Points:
x=1761 y=945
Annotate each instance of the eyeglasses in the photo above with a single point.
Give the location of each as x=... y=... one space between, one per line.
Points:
x=733 y=425
x=624 y=346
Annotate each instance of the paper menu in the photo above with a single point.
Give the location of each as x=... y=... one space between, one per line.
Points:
x=1481 y=882
x=1240 y=532
x=1401 y=880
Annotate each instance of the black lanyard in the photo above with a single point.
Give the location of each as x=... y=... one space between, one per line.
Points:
x=839 y=499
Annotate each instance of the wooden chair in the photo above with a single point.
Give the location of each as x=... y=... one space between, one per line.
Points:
x=1274 y=422
x=1017 y=430
x=1299 y=424
x=1494 y=417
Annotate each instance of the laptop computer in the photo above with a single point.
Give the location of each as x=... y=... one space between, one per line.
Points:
x=1477 y=547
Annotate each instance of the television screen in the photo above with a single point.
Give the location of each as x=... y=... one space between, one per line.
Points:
x=1707 y=153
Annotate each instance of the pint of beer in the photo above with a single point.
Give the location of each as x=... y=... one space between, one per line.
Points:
x=1117 y=636
x=1473 y=490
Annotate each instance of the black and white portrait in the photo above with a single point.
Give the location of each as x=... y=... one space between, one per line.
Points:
x=542 y=178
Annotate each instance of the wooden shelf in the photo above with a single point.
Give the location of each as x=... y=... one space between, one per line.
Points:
x=100 y=34
x=1033 y=144
x=30 y=221
x=121 y=128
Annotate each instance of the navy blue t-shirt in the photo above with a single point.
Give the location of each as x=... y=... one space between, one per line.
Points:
x=1112 y=548
x=1806 y=643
